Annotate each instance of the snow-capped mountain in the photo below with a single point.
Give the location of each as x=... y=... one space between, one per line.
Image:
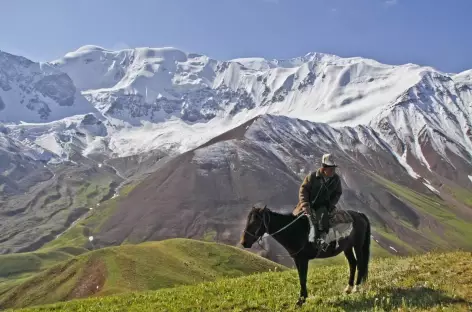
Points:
x=429 y=126
x=36 y=92
x=129 y=109
x=157 y=84
x=178 y=96
x=167 y=99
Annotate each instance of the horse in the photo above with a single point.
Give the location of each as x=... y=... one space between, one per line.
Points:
x=292 y=233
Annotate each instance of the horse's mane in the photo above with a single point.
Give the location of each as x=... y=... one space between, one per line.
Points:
x=282 y=214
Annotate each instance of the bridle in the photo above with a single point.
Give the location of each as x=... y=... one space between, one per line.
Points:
x=265 y=226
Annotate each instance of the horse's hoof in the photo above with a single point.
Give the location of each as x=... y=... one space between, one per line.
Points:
x=356 y=289
x=301 y=301
x=348 y=289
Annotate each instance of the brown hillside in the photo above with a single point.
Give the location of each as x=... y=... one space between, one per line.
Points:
x=210 y=190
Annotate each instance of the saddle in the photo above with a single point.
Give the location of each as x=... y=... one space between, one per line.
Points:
x=340 y=226
x=339 y=216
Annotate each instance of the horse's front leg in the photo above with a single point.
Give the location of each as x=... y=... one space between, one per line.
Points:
x=302 y=268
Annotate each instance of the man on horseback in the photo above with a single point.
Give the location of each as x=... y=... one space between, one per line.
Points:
x=319 y=193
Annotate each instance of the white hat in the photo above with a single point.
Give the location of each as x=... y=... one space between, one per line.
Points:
x=328 y=161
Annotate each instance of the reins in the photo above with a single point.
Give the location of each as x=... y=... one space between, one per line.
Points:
x=285 y=227
x=266 y=226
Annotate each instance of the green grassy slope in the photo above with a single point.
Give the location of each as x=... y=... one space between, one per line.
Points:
x=457 y=232
x=74 y=241
x=128 y=261
x=15 y=268
x=461 y=194
x=146 y=266
x=430 y=282
x=77 y=235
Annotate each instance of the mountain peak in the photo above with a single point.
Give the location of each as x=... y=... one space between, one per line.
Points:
x=158 y=86
x=36 y=92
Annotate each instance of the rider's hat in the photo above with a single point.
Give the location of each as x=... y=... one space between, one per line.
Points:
x=328 y=161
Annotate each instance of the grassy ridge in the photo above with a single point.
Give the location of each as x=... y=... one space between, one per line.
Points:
x=15 y=268
x=12 y=264
x=126 y=268
x=430 y=282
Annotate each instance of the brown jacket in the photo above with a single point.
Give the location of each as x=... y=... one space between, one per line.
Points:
x=328 y=196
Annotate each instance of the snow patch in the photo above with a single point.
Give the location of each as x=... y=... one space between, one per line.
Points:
x=49 y=142
x=393 y=248
x=216 y=154
x=403 y=162
x=431 y=187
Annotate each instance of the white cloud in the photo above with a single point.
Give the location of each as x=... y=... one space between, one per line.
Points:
x=120 y=46
x=391 y=2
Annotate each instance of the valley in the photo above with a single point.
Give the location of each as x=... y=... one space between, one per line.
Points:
x=146 y=145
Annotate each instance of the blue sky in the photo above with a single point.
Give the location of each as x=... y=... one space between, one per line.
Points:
x=426 y=32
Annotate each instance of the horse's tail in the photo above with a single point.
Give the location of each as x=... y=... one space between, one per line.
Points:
x=364 y=265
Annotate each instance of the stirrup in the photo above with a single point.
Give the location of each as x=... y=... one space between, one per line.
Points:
x=321 y=242
x=322 y=245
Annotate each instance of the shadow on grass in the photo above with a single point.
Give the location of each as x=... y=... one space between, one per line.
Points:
x=393 y=298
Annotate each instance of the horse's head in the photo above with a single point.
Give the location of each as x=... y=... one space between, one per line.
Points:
x=255 y=227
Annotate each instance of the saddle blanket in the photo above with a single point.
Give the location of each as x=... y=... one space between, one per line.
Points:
x=338 y=232
x=340 y=226
x=335 y=233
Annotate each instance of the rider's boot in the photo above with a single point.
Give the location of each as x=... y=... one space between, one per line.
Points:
x=312 y=236
x=321 y=237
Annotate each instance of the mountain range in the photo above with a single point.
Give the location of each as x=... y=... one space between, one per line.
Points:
x=199 y=141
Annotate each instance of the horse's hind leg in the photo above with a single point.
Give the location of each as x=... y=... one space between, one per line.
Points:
x=352 y=269
x=302 y=268
x=360 y=268
x=362 y=249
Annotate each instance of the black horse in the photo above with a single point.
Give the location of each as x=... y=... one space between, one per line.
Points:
x=292 y=233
